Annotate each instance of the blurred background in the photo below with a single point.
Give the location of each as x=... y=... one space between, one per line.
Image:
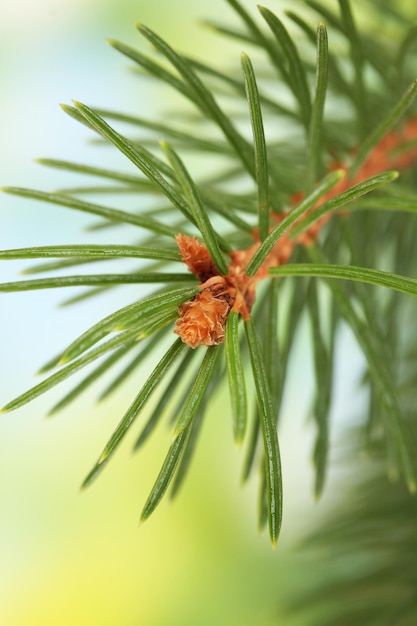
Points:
x=73 y=558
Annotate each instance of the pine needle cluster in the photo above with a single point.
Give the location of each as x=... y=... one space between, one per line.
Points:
x=308 y=210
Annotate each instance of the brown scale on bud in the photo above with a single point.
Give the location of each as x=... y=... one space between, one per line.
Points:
x=202 y=320
x=196 y=257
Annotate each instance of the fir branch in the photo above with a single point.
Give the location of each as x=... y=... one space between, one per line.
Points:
x=264 y=213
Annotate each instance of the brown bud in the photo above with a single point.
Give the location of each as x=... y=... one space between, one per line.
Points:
x=202 y=320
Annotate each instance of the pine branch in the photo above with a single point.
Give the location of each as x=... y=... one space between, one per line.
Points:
x=313 y=202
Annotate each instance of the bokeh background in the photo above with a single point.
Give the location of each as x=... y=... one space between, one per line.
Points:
x=73 y=558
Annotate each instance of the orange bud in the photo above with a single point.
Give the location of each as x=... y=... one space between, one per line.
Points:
x=202 y=320
x=196 y=257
